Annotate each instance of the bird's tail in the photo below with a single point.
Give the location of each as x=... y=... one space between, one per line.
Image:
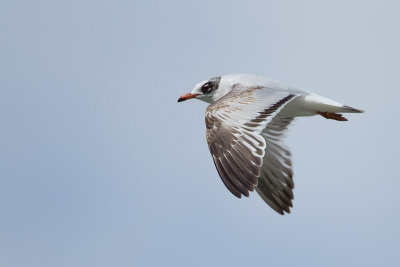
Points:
x=336 y=114
x=347 y=109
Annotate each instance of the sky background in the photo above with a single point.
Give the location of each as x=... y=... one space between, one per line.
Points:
x=100 y=166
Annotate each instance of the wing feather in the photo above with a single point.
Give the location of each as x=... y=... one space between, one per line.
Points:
x=236 y=140
x=276 y=177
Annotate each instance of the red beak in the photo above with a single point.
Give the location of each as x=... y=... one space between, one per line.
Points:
x=187 y=97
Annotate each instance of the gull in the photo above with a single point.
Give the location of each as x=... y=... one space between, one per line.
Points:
x=246 y=122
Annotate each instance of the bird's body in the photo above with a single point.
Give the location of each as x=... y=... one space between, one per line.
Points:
x=246 y=121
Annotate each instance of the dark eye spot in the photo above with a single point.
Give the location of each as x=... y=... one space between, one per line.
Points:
x=206 y=88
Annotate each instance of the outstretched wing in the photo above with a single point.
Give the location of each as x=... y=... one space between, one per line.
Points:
x=275 y=183
x=235 y=125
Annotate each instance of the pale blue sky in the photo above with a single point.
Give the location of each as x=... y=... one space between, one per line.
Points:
x=99 y=166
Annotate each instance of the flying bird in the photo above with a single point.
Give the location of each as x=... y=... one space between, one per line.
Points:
x=246 y=122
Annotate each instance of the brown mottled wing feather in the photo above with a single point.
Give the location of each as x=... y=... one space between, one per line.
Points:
x=275 y=183
x=234 y=134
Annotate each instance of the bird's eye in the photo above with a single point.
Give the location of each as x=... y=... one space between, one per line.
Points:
x=206 y=88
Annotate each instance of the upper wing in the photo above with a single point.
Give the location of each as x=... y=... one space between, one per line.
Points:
x=234 y=134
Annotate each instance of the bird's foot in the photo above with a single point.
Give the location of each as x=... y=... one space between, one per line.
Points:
x=332 y=116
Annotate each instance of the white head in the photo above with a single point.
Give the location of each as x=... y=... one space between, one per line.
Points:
x=213 y=89
x=206 y=90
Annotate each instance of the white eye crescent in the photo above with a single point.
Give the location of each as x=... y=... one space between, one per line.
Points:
x=206 y=88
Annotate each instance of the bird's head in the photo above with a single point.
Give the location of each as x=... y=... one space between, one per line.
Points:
x=213 y=89
x=208 y=91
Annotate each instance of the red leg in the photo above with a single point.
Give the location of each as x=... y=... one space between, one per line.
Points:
x=332 y=116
